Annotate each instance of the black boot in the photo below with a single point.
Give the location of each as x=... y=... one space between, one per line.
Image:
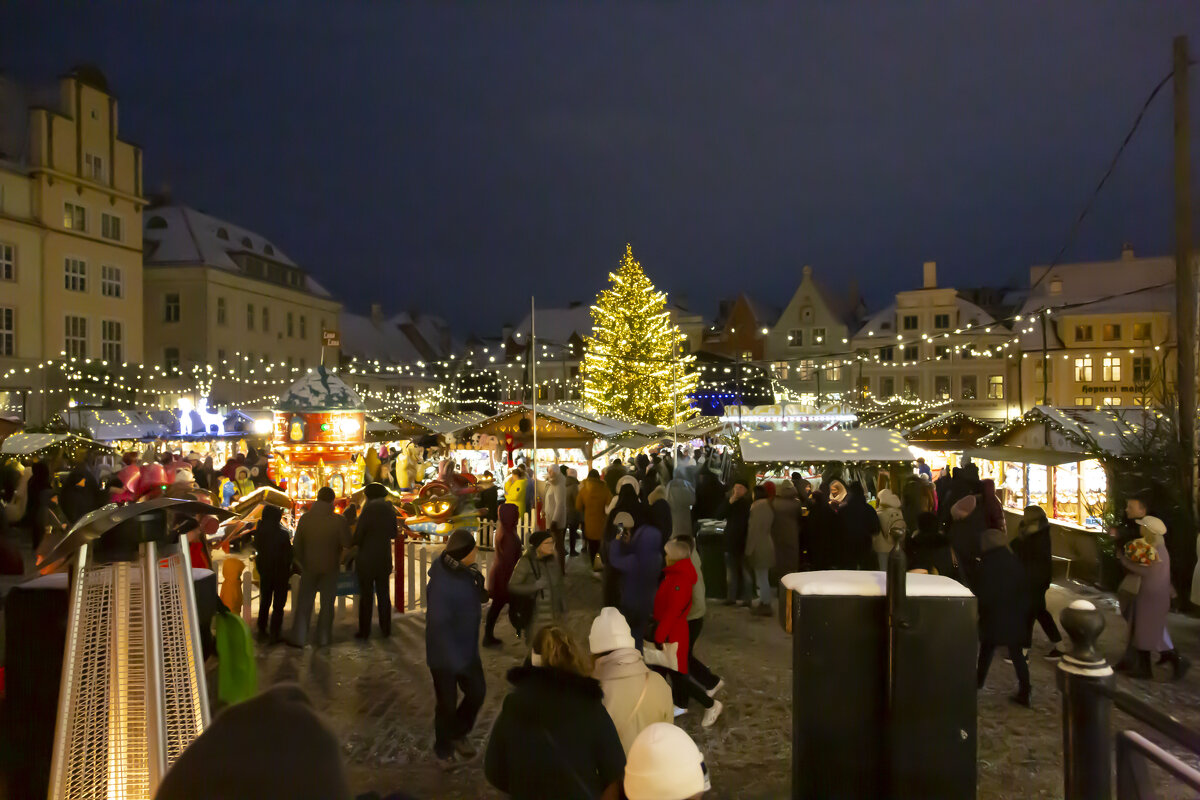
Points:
x=1141 y=670
x=1128 y=661
x=1178 y=663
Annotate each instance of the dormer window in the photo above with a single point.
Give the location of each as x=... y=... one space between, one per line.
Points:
x=222 y=234
x=246 y=241
x=156 y=223
x=269 y=250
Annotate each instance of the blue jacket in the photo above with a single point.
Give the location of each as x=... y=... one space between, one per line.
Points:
x=640 y=563
x=455 y=596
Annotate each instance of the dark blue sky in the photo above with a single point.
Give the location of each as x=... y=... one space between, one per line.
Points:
x=458 y=158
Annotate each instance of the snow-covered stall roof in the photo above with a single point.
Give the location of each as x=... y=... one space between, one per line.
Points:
x=23 y=444
x=810 y=447
x=859 y=583
x=1049 y=435
x=111 y=424
x=319 y=390
x=442 y=423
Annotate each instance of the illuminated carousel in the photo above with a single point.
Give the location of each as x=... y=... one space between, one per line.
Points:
x=318 y=440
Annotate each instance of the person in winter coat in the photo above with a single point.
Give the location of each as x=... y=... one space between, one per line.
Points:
x=709 y=496
x=615 y=471
x=321 y=536
x=508 y=552
x=785 y=528
x=454 y=598
x=660 y=511
x=709 y=680
x=1003 y=601
x=993 y=512
x=553 y=738
x=1136 y=507
x=819 y=545
x=634 y=695
x=1149 y=627
x=736 y=513
x=374 y=534
x=537 y=574
x=574 y=518
x=929 y=549
x=680 y=497
x=515 y=489
x=916 y=498
x=488 y=495
x=636 y=555
x=556 y=512
x=626 y=502
x=1033 y=548
x=891 y=527
x=591 y=503
x=760 y=551
x=273 y=547
x=665 y=764
x=857 y=525
x=966 y=536
x=671 y=605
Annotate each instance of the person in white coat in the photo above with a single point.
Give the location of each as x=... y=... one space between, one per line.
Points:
x=634 y=695
x=556 y=512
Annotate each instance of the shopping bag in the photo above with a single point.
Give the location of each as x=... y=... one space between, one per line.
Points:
x=661 y=655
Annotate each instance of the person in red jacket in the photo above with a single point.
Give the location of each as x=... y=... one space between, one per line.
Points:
x=671 y=606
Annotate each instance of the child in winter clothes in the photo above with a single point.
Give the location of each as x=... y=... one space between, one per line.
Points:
x=671 y=606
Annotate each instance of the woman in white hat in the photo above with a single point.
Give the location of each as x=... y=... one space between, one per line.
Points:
x=665 y=764
x=1148 y=558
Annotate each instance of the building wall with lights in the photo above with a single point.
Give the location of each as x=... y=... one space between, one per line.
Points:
x=70 y=233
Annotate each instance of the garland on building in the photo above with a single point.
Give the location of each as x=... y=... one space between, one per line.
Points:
x=632 y=364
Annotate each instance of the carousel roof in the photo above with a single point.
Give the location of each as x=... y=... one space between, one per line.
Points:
x=319 y=390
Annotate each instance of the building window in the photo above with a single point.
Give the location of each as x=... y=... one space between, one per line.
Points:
x=171 y=360
x=74 y=217
x=911 y=386
x=249 y=316
x=941 y=321
x=818 y=335
x=75 y=275
x=804 y=370
x=1083 y=333
x=8 y=262
x=969 y=388
x=746 y=354
x=1112 y=332
x=996 y=387
x=1141 y=331
x=171 y=308
x=910 y=322
x=912 y=352
x=941 y=387
x=304 y=327
x=289 y=324
x=1111 y=368
x=1043 y=370
x=833 y=374
x=796 y=337
x=780 y=368
x=110 y=281
x=110 y=227
x=8 y=331
x=110 y=341
x=221 y=311
x=266 y=319
x=887 y=353
x=93 y=167
x=1112 y=400
x=75 y=341
x=1083 y=401
x=887 y=387
x=942 y=352
x=1141 y=369
x=1083 y=369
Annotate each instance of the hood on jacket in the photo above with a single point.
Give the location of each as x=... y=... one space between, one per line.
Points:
x=627 y=480
x=616 y=664
x=993 y=538
x=988 y=488
x=659 y=493
x=963 y=508
x=888 y=499
x=647 y=541
x=787 y=491
x=551 y=680
x=554 y=475
x=508 y=515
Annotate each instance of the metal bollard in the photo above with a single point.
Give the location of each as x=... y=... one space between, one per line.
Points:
x=247 y=589
x=398 y=560
x=1082 y=675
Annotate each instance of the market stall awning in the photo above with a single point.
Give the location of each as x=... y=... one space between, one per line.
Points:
x=809 y=447
x=112 y=424
x=27 y=444
x=1065 y=434
x=1027 y=455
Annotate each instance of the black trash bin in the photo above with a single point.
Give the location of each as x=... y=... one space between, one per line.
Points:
x=710 y=541
x=846 y=743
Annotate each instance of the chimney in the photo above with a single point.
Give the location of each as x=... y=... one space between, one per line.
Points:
x=681 y=300
x=506 y=333
x=377 y=313
x=930 y=275
x=807 y=271
x=1127 y=252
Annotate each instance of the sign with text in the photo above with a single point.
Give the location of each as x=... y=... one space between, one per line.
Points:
x=330 y=339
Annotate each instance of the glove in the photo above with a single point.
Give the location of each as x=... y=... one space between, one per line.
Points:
x=542 y=583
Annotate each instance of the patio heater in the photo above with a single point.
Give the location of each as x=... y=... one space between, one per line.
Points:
x=133 y=692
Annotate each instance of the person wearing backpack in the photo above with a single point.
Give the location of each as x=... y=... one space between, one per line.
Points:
x=891 y=526
x=538 y=579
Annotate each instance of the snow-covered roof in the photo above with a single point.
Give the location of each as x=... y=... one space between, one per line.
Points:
x=319 y=390
x=883 y=323
x=23 y=444
x=442 y=423
x=859 y=583
x=817 y=446
x=371 y=340
x=557 y=324
x=110 y=425
x=1103 y=431
x=181 y=236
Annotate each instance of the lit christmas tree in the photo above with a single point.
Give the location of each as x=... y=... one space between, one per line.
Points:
x=633 y=367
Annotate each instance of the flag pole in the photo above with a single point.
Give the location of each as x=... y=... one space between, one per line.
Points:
x=533 y=380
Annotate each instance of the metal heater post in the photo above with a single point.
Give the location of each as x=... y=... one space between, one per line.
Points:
x=193 y=617
x=62 y=724
x=156 y=724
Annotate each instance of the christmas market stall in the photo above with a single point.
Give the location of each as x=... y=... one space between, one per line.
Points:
x=942 y=440
x=790 y=417
x=318 y=439
x=858 y=454
x=54 y=448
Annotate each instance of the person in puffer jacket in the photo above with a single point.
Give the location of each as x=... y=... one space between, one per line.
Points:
x=634 y=695
x=891 y=526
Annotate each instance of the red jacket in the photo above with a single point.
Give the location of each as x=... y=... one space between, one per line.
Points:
x=671 y=607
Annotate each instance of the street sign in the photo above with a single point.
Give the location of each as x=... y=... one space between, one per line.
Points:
x=330 y=339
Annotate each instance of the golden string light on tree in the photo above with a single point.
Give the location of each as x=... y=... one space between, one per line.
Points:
x=632 y=364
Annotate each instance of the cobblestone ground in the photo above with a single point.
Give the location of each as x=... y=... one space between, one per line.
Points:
x=377 y=696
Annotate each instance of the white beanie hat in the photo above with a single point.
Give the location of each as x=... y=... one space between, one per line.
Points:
x=610 y=632
x=664 y=764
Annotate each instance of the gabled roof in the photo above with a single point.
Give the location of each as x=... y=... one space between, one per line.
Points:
x=558 y=324
x=883 y=323
x=368 y=340
x=1101 y=431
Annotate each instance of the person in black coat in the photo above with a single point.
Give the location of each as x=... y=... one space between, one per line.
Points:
x=857 y=525
x=553 y=738
x=966 y=536
x=80 y=494
x=1033 y=548
x=374 y=533
x=488 y=496
x=1002 y=594
x=819 y=544
x=627 y=502
x=273 y=549
x=709 y=495
x=736 y=513
x=928 y=548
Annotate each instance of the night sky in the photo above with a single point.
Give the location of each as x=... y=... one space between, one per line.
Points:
x=456 y=159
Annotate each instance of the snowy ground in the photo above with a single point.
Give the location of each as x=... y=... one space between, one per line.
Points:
x=377 y=696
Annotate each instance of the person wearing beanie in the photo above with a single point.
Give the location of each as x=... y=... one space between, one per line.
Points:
x=634 y=695
x=1033 y=548
x=965 y=532
x=538 y=575
x=280 y=728
x=1148 y=627
x=553 y=738
x=891 y=527
x=374 y=532
x=1003 y=601
x=665 y=764
x=321 y=535
x=455 y=596
x=273 y=559
x=504 y=561
x=672 y=603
